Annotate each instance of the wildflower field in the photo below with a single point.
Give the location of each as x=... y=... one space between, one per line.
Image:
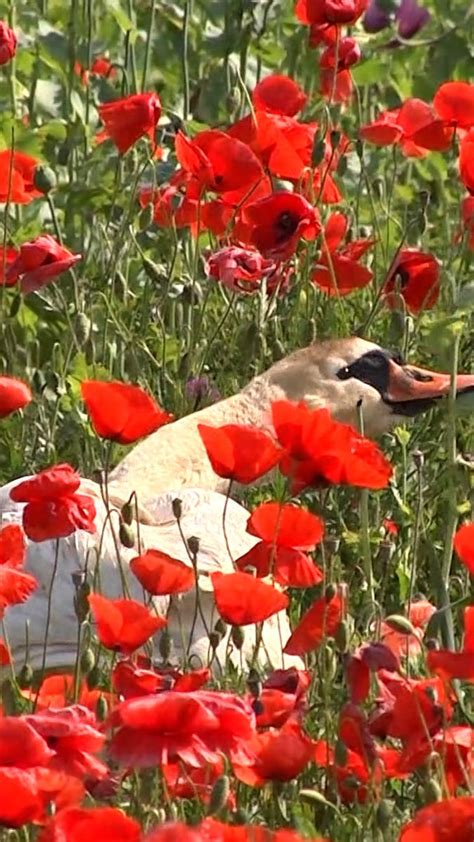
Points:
x=191 y=191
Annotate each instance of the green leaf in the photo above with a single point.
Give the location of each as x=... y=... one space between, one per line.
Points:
x=368 y=72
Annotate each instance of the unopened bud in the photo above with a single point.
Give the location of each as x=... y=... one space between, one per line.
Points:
x=432 y=791
x=81 y=601
x=87 y=661
x=219 y=795
x=193 y=545
x=237 y=635
x=335 y=138
x=93 y=678
x=44 y=179
x=418 y=458
x=126 y=513
x=400 y=624
x=319 y=150
x=383 y=815
x=330 y=592
x=145 y=217
x=221 y=627
x=153 y=271
x=214 y=640
x=82 y=328
x=177 y=508
x=331 y=545
x=340 y=753
x=341 y=636
x=101 y=708
x=359 y=148
x=164 y=645
x=25 y=677
x=254 y=684
x=126 y=535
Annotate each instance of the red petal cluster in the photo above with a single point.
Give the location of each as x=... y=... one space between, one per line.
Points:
x=122 y=412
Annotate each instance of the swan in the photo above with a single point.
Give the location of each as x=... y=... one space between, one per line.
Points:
x=348 y=376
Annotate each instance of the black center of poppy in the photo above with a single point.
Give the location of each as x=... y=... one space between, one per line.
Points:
x=286 y=224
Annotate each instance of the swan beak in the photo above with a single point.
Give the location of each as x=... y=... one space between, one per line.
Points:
x=412 y=389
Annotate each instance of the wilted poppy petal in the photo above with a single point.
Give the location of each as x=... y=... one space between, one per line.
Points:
x=241 y=599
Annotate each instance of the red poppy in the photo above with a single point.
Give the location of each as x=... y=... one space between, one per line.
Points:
x=161 y=575
x=12 y=545
x=449 y=665
x=101 y=66
x=172 y=831
x=7 y=43
x=5 y=657
x=197 y=728
x=183 y=781
x=408 y=708
x=321 y=621
x=243 y=270
x=57 y=691
x=338 y=271
x=466 y=160
x=283 y=144
x=21 y=800
x=454 y=103
x=7 y=257
x=17 y=173
x=241 y=599
x=289 y=567
x=370 y=657
x=38 y=262
x=330 y=11
x=275 y=223
x=414 y=126
x=53 y=509
x=72 y=734
x=280 y=755
x=352 y=777
x=239 y=453
x=219 y=163
x=128 y=119
x=15 y=587
x=464 y=545
x=285 y=525
x=319 y=450
x=334 y=63
x=279 y=95
x=405 y=643
x=122 y=412
x=131 y=681
x=123 y=624
x=21 y=745
x=14 y=394
x=443 y=821
x=76 y=824
x=415 y=278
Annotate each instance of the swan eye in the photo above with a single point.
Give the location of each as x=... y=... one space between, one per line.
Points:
x=344 y=373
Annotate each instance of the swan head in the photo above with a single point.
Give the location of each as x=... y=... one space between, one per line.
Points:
x=354 y=376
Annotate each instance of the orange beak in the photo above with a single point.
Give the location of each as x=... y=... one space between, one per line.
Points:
x=412 y=389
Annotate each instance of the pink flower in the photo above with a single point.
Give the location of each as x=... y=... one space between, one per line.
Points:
x=38 y=262
x=243 y=270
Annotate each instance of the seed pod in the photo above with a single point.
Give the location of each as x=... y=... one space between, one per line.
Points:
x=330 y=592
x=127 y=512
x=335 y=138
x=126 y=535
x=101 y=708
x=400 y=624
x=87 y=661
x=214 y=640
x=193 y=544
x=145 y=217
x=359 y=148
x=177 y=508
x=82 y=328
x=432 y=791
x=164 y=645
x=341 y=637
x=383 y=814
x=44 y=179
x=237 y=635
x=25 y=677
x=219 y=795
x=221 y=627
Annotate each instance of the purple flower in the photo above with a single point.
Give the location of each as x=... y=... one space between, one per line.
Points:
x=199 y=388
x=410 y=16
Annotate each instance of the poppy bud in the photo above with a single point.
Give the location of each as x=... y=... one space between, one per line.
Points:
x=219 y=795
x=82 y=328
x=221 y=627
x=214 y=640
x=330 y=662
x=93 y=678
x=63 y=153
x=44 y=179
x=312 y=796
x=432 y=791
x=400 y=624
x=341 y=637
x=335 y=138
x=164 y=645
x=193 y=544
x=254 y=684
x=126 y=535
x=330 y=592
x=232 y=101
x=383 y=815
x=378 y=186
x=25 y=677
x=87 y=661
x=89 y=352
x=126 y=513
x=319 y=149
x=359 y=148
x=418 y=458
x=177 y=508
x=101 y=708
x=331 y=545
x=237 y=635
x=340 y=753
x=81 y=601
x=15 y=306
x=145 y=217
x=342 y=166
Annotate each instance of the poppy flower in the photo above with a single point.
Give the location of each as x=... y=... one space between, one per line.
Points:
x=12 y=545
x=415 y=127
x=101 y=66
x=17 y=174
x=443 y=821
x=8 y=43
x=21 y=745
x=128 y=119
x=79 y=823
x=321 y=621
x=414 y=277
x=183 y=781
x=14 y=394
x=171 y=831
x=279 y=94
x=464 y=545
x=275 y=223
x=242 y=454
x=289 y=567
x=334 y=75
x=57 y=691
x=410 y=708
x=7 y=256
x=38 y=262
x=242 y=270
x=370 y=657
x=466 y=160
x=122 y=412
x=54 y=509
x=283 y=144
x=21 y=800
x=15 y=587
x=338 y=271
x=123 y=625
x=454 y=103
x=280 y=755
x=73 y=735
x=162 y=575
x=318 y=450
x=197 y=728
x=408 y=644
x=285 y=525
x=5 y=657
x=330 y=11
x=219 y=163
x=130 y=680
x=241 y=599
